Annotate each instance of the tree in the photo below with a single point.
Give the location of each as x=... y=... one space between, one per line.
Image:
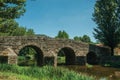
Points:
x=30 y=32
x=7 y=27
x=19 y=31
x=11 y=28
x=59 y=34
x=11 y=9
x=63 y=35
x=84 y=38
x=76 y=38
x=107 y=17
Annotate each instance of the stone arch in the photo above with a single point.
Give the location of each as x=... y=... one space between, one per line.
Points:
x=69 y=55
x=92 y=58
x=39 y=56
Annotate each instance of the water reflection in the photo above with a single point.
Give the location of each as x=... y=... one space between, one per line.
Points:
x=101 y=73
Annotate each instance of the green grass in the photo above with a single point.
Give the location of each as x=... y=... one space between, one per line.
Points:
x=61 y=59
x=22 y=61
x=88 y=65
x=39 y=73
x=13 y=76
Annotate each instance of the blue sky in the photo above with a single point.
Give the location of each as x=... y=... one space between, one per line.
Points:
x=49 y=16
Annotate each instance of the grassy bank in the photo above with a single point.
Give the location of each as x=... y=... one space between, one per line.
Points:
x=14 y=76
x=36 y=73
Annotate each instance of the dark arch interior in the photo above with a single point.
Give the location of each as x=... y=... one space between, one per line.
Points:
x=92 y=58
x=30 y=55
x=69 y=56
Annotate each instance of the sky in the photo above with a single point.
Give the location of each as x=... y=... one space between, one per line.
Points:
x=50 y=16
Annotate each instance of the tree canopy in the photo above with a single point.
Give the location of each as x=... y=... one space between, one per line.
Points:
x=63 y=35
x=107 y=17
x=12 y=28
x=11 y=9
x=84 y=38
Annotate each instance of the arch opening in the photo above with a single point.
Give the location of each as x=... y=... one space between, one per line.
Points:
x=92 y=58
x=66 y=56
x=30 y=56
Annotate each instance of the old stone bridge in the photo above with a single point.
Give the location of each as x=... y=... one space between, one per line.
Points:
x=48 y=48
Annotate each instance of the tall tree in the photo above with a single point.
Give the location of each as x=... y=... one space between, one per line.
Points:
x=107 y=17
x=86 y=39
x=11 y=9
x=63 y=35
x=59 y=35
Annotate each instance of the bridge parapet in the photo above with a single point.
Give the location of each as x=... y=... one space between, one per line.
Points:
x=100 y=51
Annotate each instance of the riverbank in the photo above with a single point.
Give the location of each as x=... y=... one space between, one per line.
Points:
x=100 y=72
x=14 y=72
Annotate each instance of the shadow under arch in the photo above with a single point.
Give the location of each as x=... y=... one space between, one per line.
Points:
x=69 y=55
x=92 y=58
x=38 y=55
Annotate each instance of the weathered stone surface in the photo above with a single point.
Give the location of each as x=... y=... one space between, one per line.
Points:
x=47 y=47
x=11 y=55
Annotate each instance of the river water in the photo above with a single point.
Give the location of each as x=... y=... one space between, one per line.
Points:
x=99 y=72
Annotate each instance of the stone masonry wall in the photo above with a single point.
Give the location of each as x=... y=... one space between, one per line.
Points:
x=48 y=46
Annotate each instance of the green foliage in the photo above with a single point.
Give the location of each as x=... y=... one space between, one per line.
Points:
x=61 y=57
x=84 y=38
x=107 y=17
x=20 y=31
x=44 y=73
x=11 y=9
x=61 y=60
x=3 y=34
x=27 y=57
x=7 y=27
x=30 y=32
x=27 y=51
x=63 y=35
x=76 y=38
x=11 y=28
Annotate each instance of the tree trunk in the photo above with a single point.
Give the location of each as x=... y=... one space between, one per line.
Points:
x=112 y=51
